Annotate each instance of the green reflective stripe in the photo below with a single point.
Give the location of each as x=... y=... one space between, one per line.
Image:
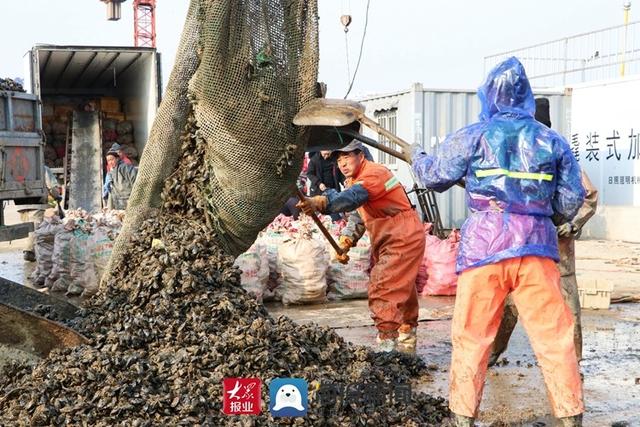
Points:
x=391 y=183
x=513 y=174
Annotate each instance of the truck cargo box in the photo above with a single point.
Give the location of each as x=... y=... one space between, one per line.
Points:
x=21 y=158
x=121 y=84
x=21 y=170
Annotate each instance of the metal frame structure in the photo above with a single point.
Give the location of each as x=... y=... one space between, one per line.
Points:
x=430 y=212
x=144 y=21
x=596 y=55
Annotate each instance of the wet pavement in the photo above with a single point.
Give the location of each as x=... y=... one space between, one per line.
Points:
x=514 y=393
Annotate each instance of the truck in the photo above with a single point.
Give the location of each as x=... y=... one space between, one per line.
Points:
x=21 y=158
x=92 y=97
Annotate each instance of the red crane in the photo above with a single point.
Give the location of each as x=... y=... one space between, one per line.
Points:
x=144 y=20
x=144 y=23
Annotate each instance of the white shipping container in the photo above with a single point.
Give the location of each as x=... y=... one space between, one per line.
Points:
x=427 y=116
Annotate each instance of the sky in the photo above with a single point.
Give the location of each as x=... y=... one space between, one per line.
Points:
x=439 y=43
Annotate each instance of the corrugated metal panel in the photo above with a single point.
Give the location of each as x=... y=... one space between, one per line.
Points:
x=436 y=114
x=444 y=113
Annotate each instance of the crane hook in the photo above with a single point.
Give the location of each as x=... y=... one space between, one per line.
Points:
x=345 y=20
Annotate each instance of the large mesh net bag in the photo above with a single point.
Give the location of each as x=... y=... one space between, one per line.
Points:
x=243 y=69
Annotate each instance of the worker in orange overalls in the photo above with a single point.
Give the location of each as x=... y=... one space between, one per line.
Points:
x=521 y=180
x=397 y=242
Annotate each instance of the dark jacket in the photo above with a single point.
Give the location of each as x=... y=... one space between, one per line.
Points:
x=323 y=171
x=123 y=177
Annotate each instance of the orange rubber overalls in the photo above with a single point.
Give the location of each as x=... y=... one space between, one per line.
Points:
x=397 y=245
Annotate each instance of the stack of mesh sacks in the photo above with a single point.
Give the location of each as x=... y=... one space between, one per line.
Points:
x=120 y=131
x=72 y=253
x=292 y=262
x=55 y=125
x=350 y=280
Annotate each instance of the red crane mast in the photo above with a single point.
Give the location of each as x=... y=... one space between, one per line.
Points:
x=144 y=22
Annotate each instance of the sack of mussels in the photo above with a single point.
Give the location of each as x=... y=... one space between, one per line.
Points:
x=172 y=321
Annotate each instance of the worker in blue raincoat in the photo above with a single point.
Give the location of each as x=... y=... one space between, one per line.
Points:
x=521 y=181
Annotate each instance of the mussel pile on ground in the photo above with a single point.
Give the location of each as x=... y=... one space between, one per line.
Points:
x=11 y=85
x=173 y=322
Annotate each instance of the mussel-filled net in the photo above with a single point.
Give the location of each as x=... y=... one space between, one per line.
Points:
x=243 y=70
x=171 y=320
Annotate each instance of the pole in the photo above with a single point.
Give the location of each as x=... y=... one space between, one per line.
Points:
x=626 y=7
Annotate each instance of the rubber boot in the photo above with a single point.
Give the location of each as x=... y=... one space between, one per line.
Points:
x=574 y=421
x=29 y=256
x=407 y=339
x=461 y=420
x=385 y=345
x=493 y=359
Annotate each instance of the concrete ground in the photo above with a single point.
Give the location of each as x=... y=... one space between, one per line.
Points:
x=514 y=392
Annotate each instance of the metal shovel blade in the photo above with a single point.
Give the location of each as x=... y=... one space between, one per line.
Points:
x=34 y=334
x=329 y=112
x=25 y=298
x=28 y=332
x=331 y=137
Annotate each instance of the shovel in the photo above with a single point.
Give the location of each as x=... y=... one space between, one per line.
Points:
x=23 y=330
x=322 y=228
x=34 y=334
x=60 y=211
x=332 y=118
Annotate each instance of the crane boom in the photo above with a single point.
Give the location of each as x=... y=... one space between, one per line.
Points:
x=144 y=20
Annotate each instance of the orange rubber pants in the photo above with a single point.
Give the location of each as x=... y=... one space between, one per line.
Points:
x=397 y=245
x=534 y=285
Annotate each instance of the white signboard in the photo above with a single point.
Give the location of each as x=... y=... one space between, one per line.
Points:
x=605 y=131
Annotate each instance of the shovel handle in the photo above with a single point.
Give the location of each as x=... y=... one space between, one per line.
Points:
x=60 y=211
x=404 y=145
x=375 y=144
x=322 y=228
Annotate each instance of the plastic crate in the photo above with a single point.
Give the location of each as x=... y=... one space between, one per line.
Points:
x=595 y=294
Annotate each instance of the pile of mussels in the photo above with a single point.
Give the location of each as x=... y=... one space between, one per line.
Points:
x=173 y=322
x=11 y=85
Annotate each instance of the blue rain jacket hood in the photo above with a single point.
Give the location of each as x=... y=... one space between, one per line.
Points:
x=518 y=174
x=507 y=91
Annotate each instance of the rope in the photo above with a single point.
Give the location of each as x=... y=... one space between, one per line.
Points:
x=346 y=49
x=364 y=33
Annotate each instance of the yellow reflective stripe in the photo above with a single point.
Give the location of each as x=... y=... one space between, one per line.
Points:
x=391 y=183
x=514 y=174
x=531 y=175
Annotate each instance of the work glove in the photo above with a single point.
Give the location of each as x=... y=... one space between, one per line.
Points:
x=566 y=230
x=313 y=204
x=345 y=243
